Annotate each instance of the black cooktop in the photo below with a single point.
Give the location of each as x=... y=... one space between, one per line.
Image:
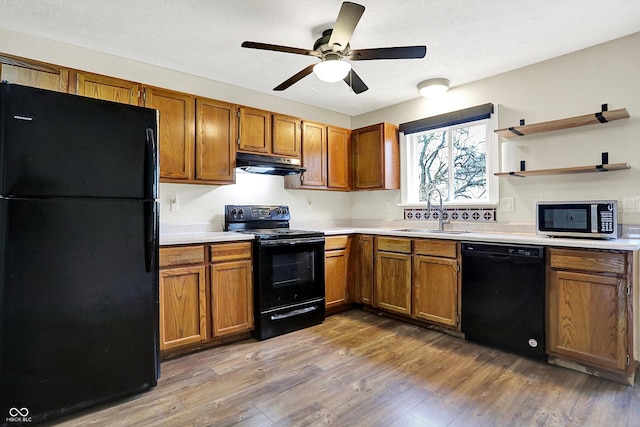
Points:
x=266 y=222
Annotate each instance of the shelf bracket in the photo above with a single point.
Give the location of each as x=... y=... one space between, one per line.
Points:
x=513 y=130
x=599 y=116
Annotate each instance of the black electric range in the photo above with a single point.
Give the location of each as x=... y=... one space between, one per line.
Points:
x=288 y=273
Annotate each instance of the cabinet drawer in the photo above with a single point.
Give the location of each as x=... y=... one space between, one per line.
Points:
x=598 y=262
x=335 y=242
x=230 y=251
x=435 y=247
x=181 y=255
x=394 y=244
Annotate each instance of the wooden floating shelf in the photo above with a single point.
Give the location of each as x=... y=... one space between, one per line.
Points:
x=571 y=122
x=560 y=171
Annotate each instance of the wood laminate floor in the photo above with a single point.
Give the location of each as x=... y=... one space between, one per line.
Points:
x=361 y=369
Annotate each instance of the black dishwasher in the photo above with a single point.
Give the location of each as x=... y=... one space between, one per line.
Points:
x=503 y=297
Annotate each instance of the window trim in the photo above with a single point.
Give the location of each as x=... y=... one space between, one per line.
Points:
x=493 y=161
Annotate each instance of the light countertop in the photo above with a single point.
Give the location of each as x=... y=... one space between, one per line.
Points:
x=181 y=238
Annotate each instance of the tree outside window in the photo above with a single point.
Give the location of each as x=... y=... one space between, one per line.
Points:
x=453 y=160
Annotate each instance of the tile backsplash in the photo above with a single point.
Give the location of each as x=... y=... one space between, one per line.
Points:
x=452 y=214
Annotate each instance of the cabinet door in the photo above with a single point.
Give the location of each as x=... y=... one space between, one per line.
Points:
x=314 y=155
x=393 y=282
x=368 y=158
x=255 y=130
x=231 y=297
x=183 y=307
x=336 y=276
x=338 y=171
x=435 y=290
x=176 y=132
x=287 y=135
x=364 y=294
x=587 y=318
x=108 y=89
x=216 y=124
x=34 y=75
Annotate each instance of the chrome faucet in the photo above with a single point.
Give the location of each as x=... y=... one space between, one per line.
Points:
x=441 y=220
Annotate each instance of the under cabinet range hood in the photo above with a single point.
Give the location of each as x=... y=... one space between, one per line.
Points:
x=268 y=165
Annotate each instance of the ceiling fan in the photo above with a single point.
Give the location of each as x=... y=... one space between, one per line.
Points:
x=333 y=48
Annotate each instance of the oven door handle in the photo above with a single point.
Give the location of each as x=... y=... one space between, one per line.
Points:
x=291 y=242
x=293 y=313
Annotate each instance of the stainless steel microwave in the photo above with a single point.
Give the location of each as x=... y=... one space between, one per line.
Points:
x=593 y=219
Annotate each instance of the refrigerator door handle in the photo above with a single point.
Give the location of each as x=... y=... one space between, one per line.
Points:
x=152 y=166
x=150 y=234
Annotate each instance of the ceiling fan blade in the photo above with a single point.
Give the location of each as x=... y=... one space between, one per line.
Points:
x=295 y=78
x=278 y=48
x=406 y=52
x=348 y=18
x=356 y=83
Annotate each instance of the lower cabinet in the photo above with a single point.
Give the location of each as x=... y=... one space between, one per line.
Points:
x=337 y=272
x=183 y=297
x=393 y=275
x=231 y=288
x=588 y=294
x=365 y=270
x=204 y=298
x=436 y=282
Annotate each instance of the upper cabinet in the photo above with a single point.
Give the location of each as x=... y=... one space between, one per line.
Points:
x=108 y=89
x=176 y=132
x=216 y=127
x=338 y=158
x=376 y=154
x=38 y=75
x=286 y=135
x=326 y=158
x=254 y=130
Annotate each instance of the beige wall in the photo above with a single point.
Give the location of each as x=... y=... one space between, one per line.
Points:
x=566 y=86
x=570 y=85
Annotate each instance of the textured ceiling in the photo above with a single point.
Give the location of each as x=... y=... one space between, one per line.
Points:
x=466 y=40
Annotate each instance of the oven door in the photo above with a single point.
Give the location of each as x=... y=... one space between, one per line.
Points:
x=288 y=271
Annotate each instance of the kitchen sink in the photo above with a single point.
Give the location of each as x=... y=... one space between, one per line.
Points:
x=425 y=230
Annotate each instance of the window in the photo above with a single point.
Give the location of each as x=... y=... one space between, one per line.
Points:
x=455 y=158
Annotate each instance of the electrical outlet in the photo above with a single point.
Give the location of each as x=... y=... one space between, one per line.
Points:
x=628 y=204
x=387 y=207
x=636 y=204
x=175 y=204
x=507 y=204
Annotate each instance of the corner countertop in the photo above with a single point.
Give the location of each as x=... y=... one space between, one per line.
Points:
x=195 y=237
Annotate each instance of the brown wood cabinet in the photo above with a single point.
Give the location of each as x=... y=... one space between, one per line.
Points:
x=34 y=74
x=393 y=274
x=215 y=142
x=183 y=301
x=254 y=130
x=286 y=135
x=206 y=295
x=337 y=272
x=364 y=274
x=588 y=301
x=176 y=133
x=109 y=89
x=376 y=160
x=436 y=281
x=231 y=288
x=338 y=158
x=326 y=158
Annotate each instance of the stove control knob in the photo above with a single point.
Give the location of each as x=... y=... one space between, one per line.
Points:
x=240 y=211
x=282 y=211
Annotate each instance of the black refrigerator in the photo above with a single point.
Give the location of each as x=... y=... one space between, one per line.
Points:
x=78 y=252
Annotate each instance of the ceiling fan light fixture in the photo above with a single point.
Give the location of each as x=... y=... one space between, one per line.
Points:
x=431 y=88
x=332 y=70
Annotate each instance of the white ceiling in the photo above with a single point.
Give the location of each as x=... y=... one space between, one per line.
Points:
x=466 y=40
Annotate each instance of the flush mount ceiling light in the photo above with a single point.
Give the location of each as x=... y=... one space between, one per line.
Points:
x=433 y=87
x=332 y=69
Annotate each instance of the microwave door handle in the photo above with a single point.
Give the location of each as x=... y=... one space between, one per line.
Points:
x=594 y=218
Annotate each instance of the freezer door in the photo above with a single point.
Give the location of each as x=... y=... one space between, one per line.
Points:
x=56 y=144
x=79 y=308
